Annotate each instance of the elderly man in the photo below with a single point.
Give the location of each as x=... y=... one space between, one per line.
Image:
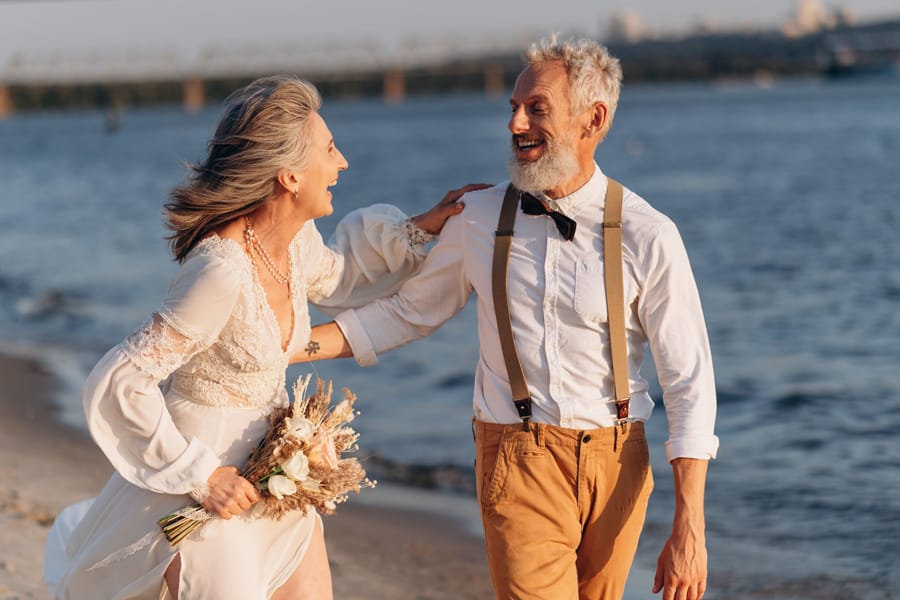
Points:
x=569 y=298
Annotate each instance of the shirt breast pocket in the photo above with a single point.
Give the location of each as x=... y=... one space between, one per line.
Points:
x=590 y=291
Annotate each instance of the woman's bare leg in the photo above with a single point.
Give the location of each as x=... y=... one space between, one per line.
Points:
x=311 y=579
x=172 y=575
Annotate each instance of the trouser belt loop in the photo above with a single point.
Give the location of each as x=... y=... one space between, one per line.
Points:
x=538 y=430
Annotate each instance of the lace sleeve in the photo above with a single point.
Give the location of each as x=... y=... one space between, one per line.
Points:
x=124 y=407
x=372 y=252
x=157 y=348
x=198 y=305
x=127 y=417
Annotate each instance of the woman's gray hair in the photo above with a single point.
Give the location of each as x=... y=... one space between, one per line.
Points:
x=262 y=132
x=594 y=74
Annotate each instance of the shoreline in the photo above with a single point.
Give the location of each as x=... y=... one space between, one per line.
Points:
x=379 y=547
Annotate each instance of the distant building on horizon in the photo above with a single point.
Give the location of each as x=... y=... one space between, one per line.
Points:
x=624 y=26
x=810 y=16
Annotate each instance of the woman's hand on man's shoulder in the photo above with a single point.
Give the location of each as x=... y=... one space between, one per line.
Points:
x=433 y=220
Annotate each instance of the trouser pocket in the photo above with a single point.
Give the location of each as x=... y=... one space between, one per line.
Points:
x=498 y=452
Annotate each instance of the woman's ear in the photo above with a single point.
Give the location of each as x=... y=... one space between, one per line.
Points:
x=290 y=180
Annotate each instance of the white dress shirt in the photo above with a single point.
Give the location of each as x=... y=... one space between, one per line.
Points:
x=559 y=321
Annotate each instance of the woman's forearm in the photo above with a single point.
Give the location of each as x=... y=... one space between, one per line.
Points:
x=325 y=341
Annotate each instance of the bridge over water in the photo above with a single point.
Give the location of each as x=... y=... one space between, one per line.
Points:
x=359 y=69
x=433 y=65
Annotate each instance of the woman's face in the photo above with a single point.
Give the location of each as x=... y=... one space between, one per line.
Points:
x=324 y=162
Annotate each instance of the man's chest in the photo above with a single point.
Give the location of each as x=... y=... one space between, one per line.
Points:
x=547 y=277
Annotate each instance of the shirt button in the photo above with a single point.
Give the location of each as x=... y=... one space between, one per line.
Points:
x=586 y=439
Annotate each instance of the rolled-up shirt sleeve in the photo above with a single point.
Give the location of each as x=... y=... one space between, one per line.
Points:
x=423 y=303
x=125 y=408
x=670 y=311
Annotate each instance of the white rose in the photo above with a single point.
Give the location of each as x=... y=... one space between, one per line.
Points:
x=302 y=428
x=296 y=467
x=280 y=486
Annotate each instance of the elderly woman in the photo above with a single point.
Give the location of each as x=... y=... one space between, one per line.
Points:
x=251 y=257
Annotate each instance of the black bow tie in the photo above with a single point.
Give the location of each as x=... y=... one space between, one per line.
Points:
x=533 y=206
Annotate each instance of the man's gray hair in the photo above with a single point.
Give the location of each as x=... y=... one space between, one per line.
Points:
x=594 y=74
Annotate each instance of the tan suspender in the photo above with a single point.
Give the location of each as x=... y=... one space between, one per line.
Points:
x=615 y=300
x=500 y=291
x=615 y=294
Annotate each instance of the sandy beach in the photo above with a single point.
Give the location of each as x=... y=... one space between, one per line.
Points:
x=376 y=552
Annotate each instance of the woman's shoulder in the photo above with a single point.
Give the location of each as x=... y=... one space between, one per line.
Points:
x=217 y=260
x=215 y=248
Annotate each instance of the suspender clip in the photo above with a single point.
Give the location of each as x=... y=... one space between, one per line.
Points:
x=523 y=407
x=621 y=411
x=622 y=408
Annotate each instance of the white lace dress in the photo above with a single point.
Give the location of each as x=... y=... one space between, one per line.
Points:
x=216 y=347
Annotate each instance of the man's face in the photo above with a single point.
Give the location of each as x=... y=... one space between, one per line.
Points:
x=545 y=134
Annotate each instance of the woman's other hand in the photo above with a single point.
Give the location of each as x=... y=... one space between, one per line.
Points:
x=229 y=493
x=433 y=220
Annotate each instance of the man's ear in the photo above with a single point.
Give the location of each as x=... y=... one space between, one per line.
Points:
x=598 y=116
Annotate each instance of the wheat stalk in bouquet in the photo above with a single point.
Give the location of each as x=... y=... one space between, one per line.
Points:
x=298 y=464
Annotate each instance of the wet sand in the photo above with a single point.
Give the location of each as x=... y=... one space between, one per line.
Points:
x=376 y=552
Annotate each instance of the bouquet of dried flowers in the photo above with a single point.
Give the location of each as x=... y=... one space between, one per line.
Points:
x=298 y=464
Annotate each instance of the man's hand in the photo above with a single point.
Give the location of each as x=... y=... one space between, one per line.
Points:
x=229 y=493
x=681 y=568
x=433 y=220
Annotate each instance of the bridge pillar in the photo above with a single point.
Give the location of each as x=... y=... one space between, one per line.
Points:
x=194 y=95
x=493 y=80
x=6 y=102
x=394 y=85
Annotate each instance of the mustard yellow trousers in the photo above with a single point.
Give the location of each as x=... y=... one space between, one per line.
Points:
x=562 y=508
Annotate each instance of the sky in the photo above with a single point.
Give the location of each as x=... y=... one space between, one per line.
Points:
x=38 y=28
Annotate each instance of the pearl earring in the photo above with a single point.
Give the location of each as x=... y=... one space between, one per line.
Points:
x=296 y=194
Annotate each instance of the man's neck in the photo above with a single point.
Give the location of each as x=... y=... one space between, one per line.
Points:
x=571 y=186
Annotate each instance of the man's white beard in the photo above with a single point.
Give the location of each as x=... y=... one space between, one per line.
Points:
x=557 y=166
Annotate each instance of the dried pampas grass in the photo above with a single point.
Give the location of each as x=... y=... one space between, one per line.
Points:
x=311 y=427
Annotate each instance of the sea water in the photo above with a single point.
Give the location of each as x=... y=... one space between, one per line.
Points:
x=787 y=200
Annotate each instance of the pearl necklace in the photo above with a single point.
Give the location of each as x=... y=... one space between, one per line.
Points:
x=254 y=244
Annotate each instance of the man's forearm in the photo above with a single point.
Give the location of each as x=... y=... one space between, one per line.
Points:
x=325 y=341
x=690 y=485
x=681 y=568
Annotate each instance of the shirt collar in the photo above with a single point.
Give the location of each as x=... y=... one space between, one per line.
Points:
x=588 y=194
